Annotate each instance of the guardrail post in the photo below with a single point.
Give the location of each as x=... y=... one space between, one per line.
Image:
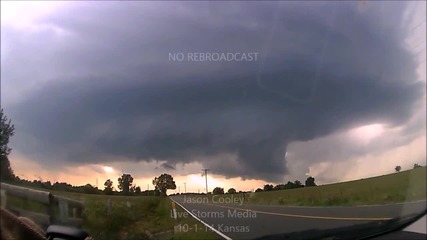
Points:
x=50 y=209
x=3 y=198
x=63 y=210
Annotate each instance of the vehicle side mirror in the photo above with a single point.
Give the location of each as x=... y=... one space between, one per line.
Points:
x=57 y=232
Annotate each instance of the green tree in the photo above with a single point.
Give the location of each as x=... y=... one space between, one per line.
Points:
x=279 y=187
x=108 y=187
x=218 y=190
x=231 y=191
x=310 y=182
x=89 y=189
x=132 y=189
x=289 y=185
x=163 y=183
x=268 y=187
x=298 y=184
x=125 y=182
x=258 y=190
x=398 y=168
x=416 y=165
x=7 y=129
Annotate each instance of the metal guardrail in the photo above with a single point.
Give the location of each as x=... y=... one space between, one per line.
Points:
x=49 y=201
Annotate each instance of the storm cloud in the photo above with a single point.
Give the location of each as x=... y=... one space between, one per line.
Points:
x=104 y=87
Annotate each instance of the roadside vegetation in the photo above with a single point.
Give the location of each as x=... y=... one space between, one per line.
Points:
x=129 y=217
x=402 y=186
x=133 y=217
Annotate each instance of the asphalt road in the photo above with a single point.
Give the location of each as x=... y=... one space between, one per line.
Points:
x=247 y=221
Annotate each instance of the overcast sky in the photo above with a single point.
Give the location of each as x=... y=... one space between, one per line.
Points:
x=336 y=88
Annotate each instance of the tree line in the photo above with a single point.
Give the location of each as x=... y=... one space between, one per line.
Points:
x=310 y=182
x=398 y=168
x=125 y=186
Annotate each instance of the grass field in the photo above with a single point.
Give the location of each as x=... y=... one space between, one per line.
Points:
x=392 y=188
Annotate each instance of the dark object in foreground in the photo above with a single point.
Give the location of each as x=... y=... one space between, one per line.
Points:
x=57 y=232
x=374 y=230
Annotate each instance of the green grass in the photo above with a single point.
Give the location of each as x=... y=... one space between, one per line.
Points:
x=127 y=216
x=393 y=188
x=145 y=216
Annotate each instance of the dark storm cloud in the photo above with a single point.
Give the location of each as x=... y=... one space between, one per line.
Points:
x=322 y=67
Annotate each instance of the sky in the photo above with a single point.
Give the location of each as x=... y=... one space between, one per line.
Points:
x=327 y=89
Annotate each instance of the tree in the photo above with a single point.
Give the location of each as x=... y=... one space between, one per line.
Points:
x=163 y=183
x=258 y=190
x=7 y=129
x=268 y=187
x=416 y=165
x=298 y=184
x=138 y=190
x=89 y=189
x=47 y=185
x=279 y=187
x=310 y=182
x=108 y=186
x=132 y=189
x=398 y=168
x=218 y=190
x=289 y=185
x=231 y=191
x=125 y=182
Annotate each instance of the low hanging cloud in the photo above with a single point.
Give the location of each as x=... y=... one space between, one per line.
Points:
x=167 y=166
x=106 y=87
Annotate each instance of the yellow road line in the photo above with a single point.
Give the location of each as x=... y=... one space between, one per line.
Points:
x=308 y=216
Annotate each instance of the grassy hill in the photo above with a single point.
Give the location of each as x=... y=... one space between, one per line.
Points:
x=392 y=188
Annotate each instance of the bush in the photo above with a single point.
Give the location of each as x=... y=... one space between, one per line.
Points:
x=104 y=222
x=218 y=190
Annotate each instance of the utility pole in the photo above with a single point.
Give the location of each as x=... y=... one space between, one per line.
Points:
x=205 y=170
x=185 y=187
